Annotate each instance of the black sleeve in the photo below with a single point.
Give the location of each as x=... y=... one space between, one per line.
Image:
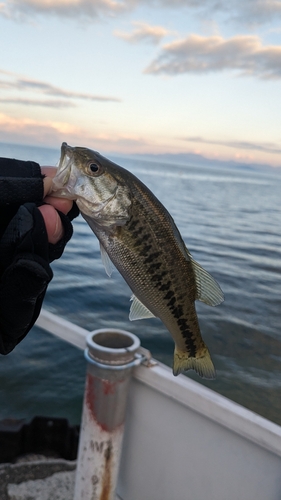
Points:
x=20 y=182
x=25 y=274
x=25 y=253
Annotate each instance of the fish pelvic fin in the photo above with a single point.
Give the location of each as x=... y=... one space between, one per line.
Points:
x=202 y=364
x=108 y=265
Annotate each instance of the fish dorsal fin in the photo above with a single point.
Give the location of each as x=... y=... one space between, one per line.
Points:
x=208 y=290
x=138 y=310
x=106 y=261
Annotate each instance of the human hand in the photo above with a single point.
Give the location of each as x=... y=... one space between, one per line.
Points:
x=29 y=242
x=49 y=212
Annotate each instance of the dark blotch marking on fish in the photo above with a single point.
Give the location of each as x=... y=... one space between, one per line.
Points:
x=171 y=303
x=178 y=312
x=143 y=239
x=158 y=277
x=151 y=257
x=137 y=232
x=154 y=267
x=188 y=337
x=182 y=323
x=165 y=286
x=169 y=295
x=145 y=250
x=137 y=243
x=157 y=280
x=135 y=228
x=132 y=224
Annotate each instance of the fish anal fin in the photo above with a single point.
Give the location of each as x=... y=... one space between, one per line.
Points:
x=138 y=310
x=202 y=364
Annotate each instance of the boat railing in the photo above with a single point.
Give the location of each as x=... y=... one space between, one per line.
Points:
x=175 y=426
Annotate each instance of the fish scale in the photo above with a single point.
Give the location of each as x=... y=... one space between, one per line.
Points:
x=140 y=237
x=167 y=290
x=158 y=268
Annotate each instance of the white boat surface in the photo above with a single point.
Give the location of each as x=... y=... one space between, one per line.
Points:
x=183 y=441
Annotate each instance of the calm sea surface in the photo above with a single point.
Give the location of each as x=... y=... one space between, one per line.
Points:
x=230 y=220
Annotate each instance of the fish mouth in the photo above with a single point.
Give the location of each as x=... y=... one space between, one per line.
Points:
x=66 y=176
x=64 y=163
x=66 y=150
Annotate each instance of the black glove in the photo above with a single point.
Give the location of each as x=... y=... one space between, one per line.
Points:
x=25 y=272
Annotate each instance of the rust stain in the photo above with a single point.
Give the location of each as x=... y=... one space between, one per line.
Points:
x=108 y=387
x=95 y=398
x=90 y=394
x=106 y=479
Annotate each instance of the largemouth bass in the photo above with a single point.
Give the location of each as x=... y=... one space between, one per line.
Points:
x=138 y=235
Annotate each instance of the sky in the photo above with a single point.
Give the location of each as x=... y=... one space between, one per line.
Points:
x=144 y=76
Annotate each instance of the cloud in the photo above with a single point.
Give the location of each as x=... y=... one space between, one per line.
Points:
x=246 y=12
x=86 y=9
x=254 y=11
x=244 y=54
x=53 y=133
x=49 y=89
x=26 y=130
x=47 y=103
x=25 y=84
x=89 y=10
x=143 y=32
x=265 y=147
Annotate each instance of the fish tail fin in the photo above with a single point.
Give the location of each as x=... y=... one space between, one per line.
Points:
x=202 y=363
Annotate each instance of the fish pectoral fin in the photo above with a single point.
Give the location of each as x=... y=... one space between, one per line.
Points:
x=208 y=290
x=138 y=310
x=106 y=261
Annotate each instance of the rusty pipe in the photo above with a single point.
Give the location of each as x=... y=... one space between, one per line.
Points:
x=111 y=356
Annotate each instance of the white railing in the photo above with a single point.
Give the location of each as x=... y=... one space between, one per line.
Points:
x=183 y=437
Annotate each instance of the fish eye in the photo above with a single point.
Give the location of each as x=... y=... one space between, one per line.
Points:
x=94 y=167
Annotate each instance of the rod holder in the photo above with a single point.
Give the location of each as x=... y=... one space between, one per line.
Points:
x=111 y=356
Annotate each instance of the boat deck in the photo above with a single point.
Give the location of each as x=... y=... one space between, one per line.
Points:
x=182 y=441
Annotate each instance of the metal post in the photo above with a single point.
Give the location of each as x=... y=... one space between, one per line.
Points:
x=111 y=356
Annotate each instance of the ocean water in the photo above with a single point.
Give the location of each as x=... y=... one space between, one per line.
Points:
x=230 y=220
